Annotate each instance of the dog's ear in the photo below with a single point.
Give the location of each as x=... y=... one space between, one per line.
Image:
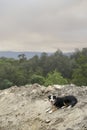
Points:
x=49 y=97
x=54 y=97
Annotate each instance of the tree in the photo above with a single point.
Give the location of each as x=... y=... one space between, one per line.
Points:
x=61 y=63
x=79 y=76
x=22 y=57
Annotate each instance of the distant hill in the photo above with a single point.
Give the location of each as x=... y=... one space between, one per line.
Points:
x=12 y=54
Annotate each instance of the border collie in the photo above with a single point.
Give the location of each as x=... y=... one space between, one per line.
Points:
x=61 y=102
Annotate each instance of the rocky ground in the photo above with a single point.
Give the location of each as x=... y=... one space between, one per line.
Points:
x=24 y=108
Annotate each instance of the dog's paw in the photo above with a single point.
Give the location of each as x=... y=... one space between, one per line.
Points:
x=69 y=107
x=50 y=112
x=47 y=111
x=63 y=107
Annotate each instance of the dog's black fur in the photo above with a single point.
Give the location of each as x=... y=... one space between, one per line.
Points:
x=60 y=102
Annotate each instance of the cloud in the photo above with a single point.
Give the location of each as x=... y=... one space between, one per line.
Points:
x=43 y=25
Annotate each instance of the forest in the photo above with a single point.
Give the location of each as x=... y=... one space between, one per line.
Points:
x=56 y=68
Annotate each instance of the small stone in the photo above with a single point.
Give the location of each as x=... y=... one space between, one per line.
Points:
x=69 y=129
x=47 y=121
x=39 y=114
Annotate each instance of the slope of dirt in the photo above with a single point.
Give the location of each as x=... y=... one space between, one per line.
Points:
x=24 y=108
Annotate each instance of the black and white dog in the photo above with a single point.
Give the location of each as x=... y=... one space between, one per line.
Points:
x=61 y=102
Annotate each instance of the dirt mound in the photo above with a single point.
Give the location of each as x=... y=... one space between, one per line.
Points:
x=24 y=108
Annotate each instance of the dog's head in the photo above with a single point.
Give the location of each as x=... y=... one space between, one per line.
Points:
x=52 y=99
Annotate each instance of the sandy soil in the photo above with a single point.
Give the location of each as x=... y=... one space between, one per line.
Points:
x=24 y=108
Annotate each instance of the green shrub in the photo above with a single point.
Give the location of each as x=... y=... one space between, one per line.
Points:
x=55 y=78
x=37 y=79
x=5 y=84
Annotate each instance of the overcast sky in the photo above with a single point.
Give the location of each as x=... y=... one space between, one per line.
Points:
x=43 y=25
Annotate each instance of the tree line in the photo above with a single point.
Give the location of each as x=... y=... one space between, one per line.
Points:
x=56 y=68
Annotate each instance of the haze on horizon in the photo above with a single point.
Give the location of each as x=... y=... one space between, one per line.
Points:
x=43 y=25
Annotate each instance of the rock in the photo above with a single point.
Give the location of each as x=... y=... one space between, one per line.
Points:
x=47 y=121
x=58 y=86
x=69 y=129
x=34 y=91
x=49 y=89
x=24 y=108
